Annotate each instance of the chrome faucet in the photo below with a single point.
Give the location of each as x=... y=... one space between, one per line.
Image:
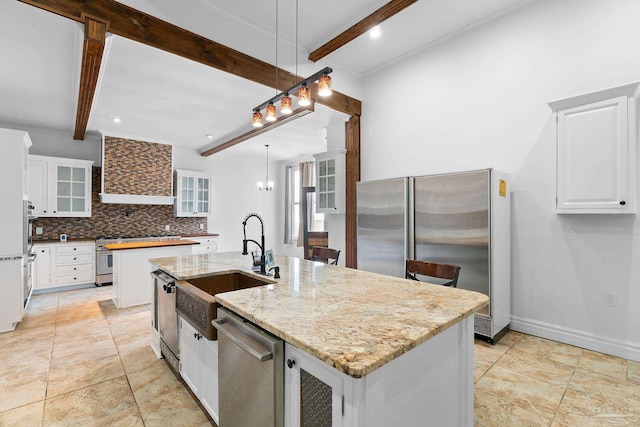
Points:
x=263 y=269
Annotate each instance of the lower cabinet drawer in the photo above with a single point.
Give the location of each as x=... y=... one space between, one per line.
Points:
x=74 y=249
x=68 y=270
x=75 y=279
x=202 y=249
x=74 y=259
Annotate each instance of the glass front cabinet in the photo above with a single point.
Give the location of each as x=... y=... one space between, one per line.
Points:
x=330 y=173
x=193 y=193
x=60 y=187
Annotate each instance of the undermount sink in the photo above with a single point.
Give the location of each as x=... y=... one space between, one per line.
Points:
x=195 y=298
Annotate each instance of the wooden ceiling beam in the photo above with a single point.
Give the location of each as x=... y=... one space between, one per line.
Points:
x=136 y=25
x=93 y=48
x=355 y=31
x=300 y=112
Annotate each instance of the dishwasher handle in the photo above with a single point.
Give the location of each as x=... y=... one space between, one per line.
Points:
x=222 y=326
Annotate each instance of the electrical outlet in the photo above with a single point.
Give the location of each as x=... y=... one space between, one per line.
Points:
x=201 y=226
x=610 y=299
x=167 y=227
x=39 y=230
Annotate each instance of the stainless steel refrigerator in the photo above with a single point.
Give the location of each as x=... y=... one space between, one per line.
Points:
x=458 y=218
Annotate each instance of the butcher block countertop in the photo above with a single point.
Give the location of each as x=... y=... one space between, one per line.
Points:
x=142 y=245
x=353 y=320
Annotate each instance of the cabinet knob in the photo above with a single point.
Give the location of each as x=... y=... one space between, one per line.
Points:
x=74 y=249
x=290 y=363
x=195 y=335
x=75 y=259
x=622 y=202
x=44 y=211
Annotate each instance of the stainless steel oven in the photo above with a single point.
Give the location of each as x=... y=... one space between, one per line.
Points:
x=104 y=266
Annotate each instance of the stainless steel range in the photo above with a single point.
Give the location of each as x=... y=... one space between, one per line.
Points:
x=104 y=257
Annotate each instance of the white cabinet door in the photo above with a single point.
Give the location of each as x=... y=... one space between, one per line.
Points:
x=38 y=186
x=42 y=267
x=189 y=357
x=193 y=193
x=72 y=190
x=313 y=391
x=209 y=375
x=330 y=174
x=596 y=152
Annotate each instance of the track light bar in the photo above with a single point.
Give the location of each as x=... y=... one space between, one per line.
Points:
x=294 y=89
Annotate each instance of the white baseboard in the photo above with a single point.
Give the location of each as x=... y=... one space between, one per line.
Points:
x=625 y=349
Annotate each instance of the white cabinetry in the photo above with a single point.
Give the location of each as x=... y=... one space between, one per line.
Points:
x=74 y=264
x=208 y=245
x=14 y=148
x=313 y=391
x=596 y=151
x=330 y=182
x=60 y=187
x=199 y=366
x=42 y=267
x=192 y=191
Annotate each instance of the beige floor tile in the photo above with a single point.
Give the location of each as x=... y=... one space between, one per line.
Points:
x=633 y=371
x=129 y=417
x=109 y=309
x=77 y=313
x=538 y=367
x=140 y=359
x=526 y=392
x=511 y=338
x=480 y=367
x=78 y=352
x=603 y=364
x=490 y=411
x=153 y=382
x=94 y=405
x=489 y=352
x=172 y=409
x=567 y=354
x=535 y=345
x=22 y=390
x=64 y=378
x=24 y=338
x=28 y=415
x=593 y=399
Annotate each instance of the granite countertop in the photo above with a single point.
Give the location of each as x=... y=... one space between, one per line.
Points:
x=353 y=320
x=143 y=245
x=200 y=235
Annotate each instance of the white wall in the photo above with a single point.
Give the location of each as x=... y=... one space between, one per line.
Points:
x=480 y=100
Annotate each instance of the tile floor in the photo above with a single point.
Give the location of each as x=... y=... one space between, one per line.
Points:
x=78 y=360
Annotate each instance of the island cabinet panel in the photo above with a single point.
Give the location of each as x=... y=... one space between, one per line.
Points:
x=199 y=366
x=430 y=385
x=596 y=146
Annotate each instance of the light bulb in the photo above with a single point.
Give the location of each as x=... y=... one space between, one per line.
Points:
x=257 y=119
x=304 y=96
x=324 y=85
x=271 y=113
x=285 y=104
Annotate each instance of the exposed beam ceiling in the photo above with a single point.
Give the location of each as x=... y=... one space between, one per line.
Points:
x=376 y=18
x=300 y=112
x=94 y=39
x=133 y=24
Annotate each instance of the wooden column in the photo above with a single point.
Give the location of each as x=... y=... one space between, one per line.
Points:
x=352 y=144
x=94 y=39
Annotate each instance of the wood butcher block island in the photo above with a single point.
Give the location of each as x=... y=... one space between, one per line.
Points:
x=401 y=351
x=143 y=245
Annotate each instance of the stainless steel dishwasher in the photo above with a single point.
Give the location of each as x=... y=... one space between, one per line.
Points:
x=166 y=317
x=250 y=373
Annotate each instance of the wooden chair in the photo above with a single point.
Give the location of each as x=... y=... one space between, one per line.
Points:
x=320 y=253
x=432 y=269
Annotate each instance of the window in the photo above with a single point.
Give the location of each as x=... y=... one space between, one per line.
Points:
x=316 y=222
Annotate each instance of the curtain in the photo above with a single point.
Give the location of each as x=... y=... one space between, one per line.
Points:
x=306 y=180
x=287 y=205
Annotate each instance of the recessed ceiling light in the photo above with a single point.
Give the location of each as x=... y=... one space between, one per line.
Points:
x=116 y=120
x=209 y=136
x=375 y=32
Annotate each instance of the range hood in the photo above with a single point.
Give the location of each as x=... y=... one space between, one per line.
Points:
x=136 y=172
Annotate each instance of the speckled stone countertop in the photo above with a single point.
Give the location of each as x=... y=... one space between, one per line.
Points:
x=353 y=320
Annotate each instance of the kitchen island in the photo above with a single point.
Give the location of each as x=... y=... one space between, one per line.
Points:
x=398 y=352
x=131 y=268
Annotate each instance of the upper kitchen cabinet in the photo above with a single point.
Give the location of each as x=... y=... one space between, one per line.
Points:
x=192 y=191
x=596 y=152
x=60 y=187
x=330 y=181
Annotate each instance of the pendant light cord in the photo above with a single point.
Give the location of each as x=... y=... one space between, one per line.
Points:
x=296 y=41
x=276 y=48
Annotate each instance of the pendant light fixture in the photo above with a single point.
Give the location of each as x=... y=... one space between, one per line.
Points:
x=261 y=185
x=300 y=89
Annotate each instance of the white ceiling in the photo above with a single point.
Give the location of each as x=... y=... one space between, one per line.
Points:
x=164 y=98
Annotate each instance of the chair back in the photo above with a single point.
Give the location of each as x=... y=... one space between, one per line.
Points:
x=322 y=254
x=442 y=271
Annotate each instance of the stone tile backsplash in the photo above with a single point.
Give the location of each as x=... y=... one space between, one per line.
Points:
x=116 y=219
